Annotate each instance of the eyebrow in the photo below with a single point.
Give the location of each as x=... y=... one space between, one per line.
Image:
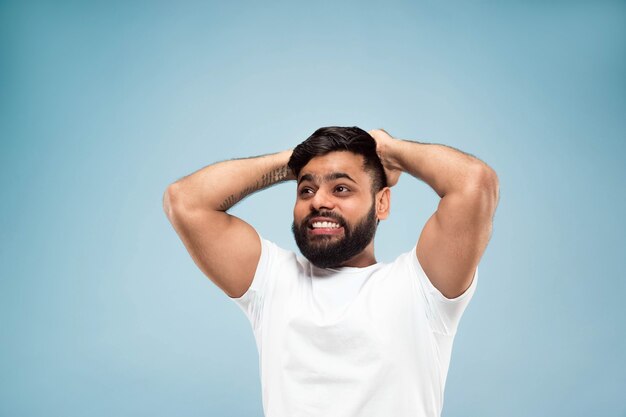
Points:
x=329 y=177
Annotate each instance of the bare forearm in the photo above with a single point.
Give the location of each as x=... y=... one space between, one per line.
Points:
x=444 y=168
x=220 y=186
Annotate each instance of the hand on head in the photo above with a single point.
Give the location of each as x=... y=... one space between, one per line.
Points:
x=383 y=143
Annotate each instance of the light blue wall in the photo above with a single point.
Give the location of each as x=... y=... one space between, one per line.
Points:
x=103 y=104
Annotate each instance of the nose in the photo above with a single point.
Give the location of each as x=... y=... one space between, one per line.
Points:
x=322 y=200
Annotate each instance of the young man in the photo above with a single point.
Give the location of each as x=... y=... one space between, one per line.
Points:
x=340 y=335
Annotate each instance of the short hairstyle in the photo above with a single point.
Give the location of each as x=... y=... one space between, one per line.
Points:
x=334 y=138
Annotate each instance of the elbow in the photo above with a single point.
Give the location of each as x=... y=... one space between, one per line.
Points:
x=486 y=183
x=170 y=198
x=491 y=185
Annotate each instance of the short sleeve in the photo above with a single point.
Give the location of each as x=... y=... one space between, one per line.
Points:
x=443 y=313
x=252 y=301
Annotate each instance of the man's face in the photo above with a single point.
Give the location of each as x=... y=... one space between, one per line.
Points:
x=335 y=212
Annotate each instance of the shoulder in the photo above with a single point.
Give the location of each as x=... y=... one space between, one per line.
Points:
x=409 y=263
x=406 y=260
x=273 y=256
x=273 y=249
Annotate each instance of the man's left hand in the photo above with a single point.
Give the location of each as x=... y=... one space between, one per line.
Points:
x=384 y=146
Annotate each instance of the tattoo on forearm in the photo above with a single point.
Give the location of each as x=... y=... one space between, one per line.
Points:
x=268 y=179
x=228 y=203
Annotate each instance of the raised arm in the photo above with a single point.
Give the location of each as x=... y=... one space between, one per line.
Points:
x=224 y=247
x=456 y=235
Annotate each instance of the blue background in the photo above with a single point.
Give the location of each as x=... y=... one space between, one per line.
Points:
x=103 y=104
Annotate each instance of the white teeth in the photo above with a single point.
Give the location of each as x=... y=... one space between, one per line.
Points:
x=325 y=225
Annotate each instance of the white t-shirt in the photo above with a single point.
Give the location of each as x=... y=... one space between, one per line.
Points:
x=350 y=342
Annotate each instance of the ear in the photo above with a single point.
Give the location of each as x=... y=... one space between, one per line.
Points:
x=383 y=201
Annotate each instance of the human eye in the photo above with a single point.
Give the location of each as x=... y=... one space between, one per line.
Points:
x=342 y=189
x=305 y=192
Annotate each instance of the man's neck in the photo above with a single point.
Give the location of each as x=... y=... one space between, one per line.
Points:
x=363 y=259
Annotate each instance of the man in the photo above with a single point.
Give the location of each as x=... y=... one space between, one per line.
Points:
x=340 y=335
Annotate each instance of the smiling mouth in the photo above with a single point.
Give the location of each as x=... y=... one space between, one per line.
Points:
x=324 y=225
x=325 y=228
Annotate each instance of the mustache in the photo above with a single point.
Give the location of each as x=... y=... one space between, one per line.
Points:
x=328 y=214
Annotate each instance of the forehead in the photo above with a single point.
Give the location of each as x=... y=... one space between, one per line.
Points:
x=335 y=162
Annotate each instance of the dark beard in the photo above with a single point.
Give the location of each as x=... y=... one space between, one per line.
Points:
x=326 y=251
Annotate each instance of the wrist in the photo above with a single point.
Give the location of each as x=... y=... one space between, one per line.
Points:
x=280 y=161
x=391 y=152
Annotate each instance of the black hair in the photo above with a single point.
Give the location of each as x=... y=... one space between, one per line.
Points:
x=334 y=138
